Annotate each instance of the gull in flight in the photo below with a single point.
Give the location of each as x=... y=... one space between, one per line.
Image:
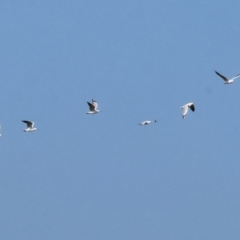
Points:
x=146 y=122
x=30 y=127
x=227 y=81
x=185 y=109
x=93 y=107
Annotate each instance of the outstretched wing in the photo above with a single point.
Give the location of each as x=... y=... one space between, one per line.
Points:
x=237 y=76
x=220 y=75
x=91 y=106
x=29 y=123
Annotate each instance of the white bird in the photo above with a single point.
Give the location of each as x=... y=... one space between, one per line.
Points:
x=30 y=127
x=185 y=109
x=147 y=122
x=93 y=107
x=227 y=81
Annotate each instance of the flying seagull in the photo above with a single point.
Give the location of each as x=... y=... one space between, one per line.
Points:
x=146 y=122
x=93 y=107
x=227 y=81
x=185 y=109
x=30 y=127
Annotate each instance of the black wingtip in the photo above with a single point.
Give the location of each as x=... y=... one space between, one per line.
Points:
x=192 y=107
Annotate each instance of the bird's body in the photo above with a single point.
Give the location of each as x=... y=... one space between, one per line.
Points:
x=93 y=107
x=227 y=81
x=147 y=122
x=30 y=127
x=185 y=109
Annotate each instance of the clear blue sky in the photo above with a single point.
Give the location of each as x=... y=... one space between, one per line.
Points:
x=103 y=176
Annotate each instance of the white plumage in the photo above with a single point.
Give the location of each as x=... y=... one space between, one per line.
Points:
x=93 y=107
x=30 y=125
x=227 y=81
x=147 y=122
x=185 y=109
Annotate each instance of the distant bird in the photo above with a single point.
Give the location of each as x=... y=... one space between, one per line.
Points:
x=185 y=109
x=0 y=129
x=93 y=107
x=30 y=127
x=227 y=81
x=146 y=122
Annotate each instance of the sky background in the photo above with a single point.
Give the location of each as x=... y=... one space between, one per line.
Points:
x=103 y=176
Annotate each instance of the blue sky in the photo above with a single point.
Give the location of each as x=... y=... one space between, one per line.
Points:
x=103 y=176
